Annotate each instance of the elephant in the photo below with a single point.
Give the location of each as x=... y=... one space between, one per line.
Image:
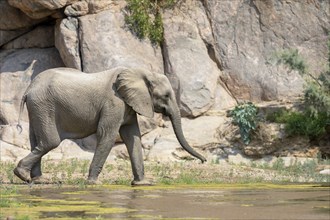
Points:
x=65 y=103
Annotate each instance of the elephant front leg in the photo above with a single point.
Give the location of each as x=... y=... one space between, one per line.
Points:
x=132 y=138
x=101 y=153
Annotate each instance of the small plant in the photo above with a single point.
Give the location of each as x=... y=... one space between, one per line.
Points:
x=144 y=18
x=187 y=178
x=317 y=94
x=277 y=116
x=84 y=167
x=292 y=59
x=278 y=164
x=71 y=167
x=9 y=170
x=245 y=116
x=138 y=20
x=314 y=121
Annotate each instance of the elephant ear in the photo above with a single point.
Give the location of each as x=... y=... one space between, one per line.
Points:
x=134 y=87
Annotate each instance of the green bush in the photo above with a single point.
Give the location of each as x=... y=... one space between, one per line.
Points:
x=317 y=97
x=304 y=124
x=317 y=92
x=144 y=18
x=277 y=116
x=314 y=121
x=245 y=116
x=292 y=59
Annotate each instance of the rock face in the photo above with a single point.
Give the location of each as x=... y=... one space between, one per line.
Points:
x=214 y=53
x=105 y=44
x=190 y=61
x=248 y=33
x=14 y=18
x=40 y=37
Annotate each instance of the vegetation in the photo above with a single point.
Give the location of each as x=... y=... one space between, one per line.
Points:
x=312 y=126
x=314 y=121
x=60 y=174
x=8 y=168
x=8 y=200
x=144 y=18
x=296 y=170
x=292 y=59
x=317 y=92
x=245 y=116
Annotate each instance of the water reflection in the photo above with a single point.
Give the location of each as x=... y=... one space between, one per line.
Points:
x=190 y=203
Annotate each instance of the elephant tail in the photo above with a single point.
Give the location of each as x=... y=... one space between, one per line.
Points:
x=28 y=72
x=19 y=126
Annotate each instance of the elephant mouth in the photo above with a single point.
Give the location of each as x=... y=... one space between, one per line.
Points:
x=163 y=111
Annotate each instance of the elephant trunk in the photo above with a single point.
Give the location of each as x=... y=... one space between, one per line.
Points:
x=177 y=127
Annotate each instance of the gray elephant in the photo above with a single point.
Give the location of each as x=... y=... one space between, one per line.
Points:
x=64 y=103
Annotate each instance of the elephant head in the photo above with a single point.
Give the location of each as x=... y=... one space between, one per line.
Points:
x=147 y=93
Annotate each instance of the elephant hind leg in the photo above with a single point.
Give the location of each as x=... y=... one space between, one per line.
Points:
x=31 y=163
x=26 y=165
x=36 y=169
x=23 y=169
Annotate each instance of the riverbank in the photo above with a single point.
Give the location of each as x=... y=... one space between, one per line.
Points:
x=74 y=172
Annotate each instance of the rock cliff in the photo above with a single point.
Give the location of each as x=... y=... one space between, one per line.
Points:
x=215 y=53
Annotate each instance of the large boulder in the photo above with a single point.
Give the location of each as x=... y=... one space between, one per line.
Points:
x=37 y=9
x=40 y=37
x=7 y=36
x=84 y=7
x=14 y=23
x=247 y=35
x=67 y=42
x=13 y=18
x=19 y=60
x=189 y=59
x=105 y=44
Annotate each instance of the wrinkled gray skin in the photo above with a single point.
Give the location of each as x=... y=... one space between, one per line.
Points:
x=65 y=103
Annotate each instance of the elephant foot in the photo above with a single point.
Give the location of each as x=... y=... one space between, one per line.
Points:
x=23 y=174
x=93 y=182
x=141 y=183
x=41 y=180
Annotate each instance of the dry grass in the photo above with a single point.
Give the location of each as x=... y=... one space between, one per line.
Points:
x=74 y=172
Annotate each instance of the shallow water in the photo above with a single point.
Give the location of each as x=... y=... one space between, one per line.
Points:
x=199 y=202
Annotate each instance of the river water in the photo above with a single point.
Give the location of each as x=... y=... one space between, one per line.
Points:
x=176 y=202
